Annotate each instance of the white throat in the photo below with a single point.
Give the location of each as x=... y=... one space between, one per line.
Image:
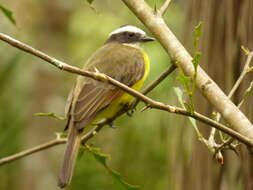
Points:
x=136 y=45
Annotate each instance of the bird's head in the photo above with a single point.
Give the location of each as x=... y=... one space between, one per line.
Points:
x=129 y=34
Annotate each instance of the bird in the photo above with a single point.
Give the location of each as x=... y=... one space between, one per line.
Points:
x=122 y=58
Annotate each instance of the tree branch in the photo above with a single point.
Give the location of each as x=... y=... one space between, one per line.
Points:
x=155 y=23
x=57 y=141
x=157 y=81
x=163 y=75
x=27 y=152
x=243 y=74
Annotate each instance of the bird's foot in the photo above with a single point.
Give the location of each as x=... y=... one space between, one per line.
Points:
x=129 y=109
x=111 y=124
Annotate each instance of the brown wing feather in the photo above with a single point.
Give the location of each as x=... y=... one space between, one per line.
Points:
x=97 y=108
x=92 y=97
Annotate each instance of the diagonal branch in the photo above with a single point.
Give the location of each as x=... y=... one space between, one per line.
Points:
x=243 y=74
x=27 y=152
x=57 y=141
x=159 y=79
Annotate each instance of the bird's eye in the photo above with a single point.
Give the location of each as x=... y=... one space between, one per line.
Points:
x=130 y=34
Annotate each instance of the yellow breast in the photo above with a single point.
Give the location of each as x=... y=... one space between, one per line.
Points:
x=137 y=86
x=125 y=98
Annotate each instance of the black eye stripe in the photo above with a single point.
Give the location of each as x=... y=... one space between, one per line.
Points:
x=130 y=34
x=126 y=37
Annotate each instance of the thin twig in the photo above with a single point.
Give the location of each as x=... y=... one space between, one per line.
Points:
x=57 y=141
x=157 y=81
x=243 y=74
x=233 y=90
x=27 y=152
x=163 y=75
x=164 y=7
x=246 y=94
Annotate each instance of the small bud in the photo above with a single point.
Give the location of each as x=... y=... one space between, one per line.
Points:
x=219 y=158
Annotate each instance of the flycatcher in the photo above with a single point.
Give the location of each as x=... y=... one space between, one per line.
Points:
x=90 y=101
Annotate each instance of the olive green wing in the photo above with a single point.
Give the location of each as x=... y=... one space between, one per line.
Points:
x=91 y=97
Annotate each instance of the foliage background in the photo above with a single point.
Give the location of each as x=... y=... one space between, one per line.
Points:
x=153 y=149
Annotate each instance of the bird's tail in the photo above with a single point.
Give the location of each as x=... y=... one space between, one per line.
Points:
x=73 y=144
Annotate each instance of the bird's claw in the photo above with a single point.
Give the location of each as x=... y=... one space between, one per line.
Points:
x=128 y=109
x=111 y=125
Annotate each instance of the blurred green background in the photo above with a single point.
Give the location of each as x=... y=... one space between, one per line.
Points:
x=152 y=149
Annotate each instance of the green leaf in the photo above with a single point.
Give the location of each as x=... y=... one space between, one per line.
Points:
x=198 y=30
x=51 y=115
x=197 y=34
x=196 y=57
x=8 y=14
x=117 y=178
x=248 y=91
x=196 y=60
x=179 y=94
x=184 y=80
x=100 y=157
x=188 y=84
x=245 y=50
x=90 y=1
x=188 y=106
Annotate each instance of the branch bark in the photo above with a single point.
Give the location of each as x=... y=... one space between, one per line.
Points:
x=155 y=23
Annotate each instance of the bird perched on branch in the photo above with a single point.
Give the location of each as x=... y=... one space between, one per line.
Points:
x=90 y=101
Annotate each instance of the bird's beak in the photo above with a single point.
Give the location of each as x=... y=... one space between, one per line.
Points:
x=147 y=39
